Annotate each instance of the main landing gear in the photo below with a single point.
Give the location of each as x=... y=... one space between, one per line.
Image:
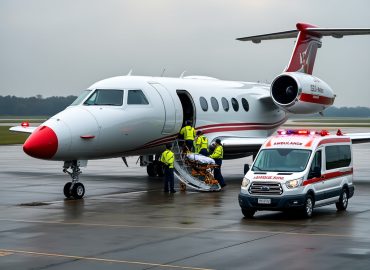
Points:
x=73 y=189
x=153 y=166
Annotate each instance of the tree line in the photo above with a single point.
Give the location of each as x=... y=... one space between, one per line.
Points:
x=39 y=106
x=32 y=106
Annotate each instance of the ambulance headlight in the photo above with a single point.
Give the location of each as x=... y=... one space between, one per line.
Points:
x=245 y=182
x=294 y=183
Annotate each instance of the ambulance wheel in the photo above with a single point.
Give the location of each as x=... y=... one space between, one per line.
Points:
x=159 y=169
x=150 y=169
x=343 y=200
x=67 y=189
x=78 y=191
x=248 y=213
x=308 y=206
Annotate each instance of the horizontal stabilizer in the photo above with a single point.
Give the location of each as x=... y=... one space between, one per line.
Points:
x=21 y=129
x=319 y=32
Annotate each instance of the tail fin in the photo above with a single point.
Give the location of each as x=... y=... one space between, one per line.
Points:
x=304 y=53
x=308 y=41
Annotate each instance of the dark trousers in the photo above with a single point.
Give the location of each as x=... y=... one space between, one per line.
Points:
x=168 y=179
x=217 y=172
x=203 y=152
x=189 y=144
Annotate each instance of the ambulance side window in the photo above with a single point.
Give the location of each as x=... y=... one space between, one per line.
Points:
x=315 y=169
x=337 y=156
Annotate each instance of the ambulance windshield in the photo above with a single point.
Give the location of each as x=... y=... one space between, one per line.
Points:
x=281 y=160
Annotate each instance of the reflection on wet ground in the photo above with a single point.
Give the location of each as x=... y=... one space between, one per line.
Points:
x=126 y=222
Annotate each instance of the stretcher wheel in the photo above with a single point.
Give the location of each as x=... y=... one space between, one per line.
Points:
x=182 y=187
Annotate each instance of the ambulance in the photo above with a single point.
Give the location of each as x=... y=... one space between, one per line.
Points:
x=299 y=169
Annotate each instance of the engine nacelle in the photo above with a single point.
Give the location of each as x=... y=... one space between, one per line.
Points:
x=301 y=93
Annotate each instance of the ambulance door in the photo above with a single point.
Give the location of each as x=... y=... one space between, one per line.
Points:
x=316 y=173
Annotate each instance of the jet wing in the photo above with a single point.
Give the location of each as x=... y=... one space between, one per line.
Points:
x=21 y=129
x=359 y=137
x=235 y=147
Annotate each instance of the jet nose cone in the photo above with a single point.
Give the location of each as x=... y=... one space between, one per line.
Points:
x=43 y=143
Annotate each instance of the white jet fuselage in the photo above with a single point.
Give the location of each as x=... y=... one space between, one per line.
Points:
x=105 y=131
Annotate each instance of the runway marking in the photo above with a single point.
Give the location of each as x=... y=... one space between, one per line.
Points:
x=5 y=253
x=99 y=259
x=180 y=228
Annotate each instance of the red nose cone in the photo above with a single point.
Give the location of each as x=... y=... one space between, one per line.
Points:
x=43 y=143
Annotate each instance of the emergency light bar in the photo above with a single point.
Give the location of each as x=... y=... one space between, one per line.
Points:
x=304 y=132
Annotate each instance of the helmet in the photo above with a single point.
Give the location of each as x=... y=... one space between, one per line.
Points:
x=218 y=141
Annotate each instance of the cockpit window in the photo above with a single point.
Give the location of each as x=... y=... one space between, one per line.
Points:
x=81 y=97
x=136 y=97
x=108 y=97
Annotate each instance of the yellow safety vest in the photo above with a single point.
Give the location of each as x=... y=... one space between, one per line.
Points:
x=168 y=158
x=218 y=153
x=201 y=143
x=188 y=132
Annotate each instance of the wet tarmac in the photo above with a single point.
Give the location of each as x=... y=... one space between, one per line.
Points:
x=126 y=222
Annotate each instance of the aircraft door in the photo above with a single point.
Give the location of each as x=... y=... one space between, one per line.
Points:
x=169 y=107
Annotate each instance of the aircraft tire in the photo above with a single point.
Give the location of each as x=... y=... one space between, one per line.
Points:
x=78 y=191
x=151 y=170
x=67 y=189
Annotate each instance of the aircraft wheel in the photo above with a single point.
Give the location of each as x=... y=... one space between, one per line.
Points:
x=78 y=191
x=151 y=170
x=248 y=213
x=343 y=200
x=67 y=189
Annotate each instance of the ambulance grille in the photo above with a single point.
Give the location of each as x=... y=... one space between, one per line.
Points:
x=265 y=188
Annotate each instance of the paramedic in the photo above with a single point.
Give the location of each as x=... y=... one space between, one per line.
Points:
x=218 y=155
x=201 y=144
x=189 y=133
x=168 y=158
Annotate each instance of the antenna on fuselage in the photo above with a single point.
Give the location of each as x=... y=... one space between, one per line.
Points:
x=129 y=73
x=182 y=74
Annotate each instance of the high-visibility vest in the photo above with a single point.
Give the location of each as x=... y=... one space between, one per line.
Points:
x=168 y=158
x=188 y=132
x=201 y=143
x=218 y=153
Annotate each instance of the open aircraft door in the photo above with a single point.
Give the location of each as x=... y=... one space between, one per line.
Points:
x=169 y=107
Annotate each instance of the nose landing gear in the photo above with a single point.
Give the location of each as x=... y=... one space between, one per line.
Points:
x=73 y=189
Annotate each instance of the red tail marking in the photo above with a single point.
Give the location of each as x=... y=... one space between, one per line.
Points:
x=304 y=54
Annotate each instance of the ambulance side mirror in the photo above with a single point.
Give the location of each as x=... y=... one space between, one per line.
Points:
x=246 y=168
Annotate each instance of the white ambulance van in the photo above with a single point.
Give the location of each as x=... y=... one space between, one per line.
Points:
x=299 y=169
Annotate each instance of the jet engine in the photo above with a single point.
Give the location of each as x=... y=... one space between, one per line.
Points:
x=301 y=93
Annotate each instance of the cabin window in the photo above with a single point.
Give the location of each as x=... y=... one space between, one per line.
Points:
x=81 y=97
x=136 y=97
x=225 y=104
x=235 y=104
x=203 y=104
x=108 y=97
x=214 y=103
x=245 y=104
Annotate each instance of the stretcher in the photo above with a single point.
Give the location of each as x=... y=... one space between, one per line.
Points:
x=194 y=170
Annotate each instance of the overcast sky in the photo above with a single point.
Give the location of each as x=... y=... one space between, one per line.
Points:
x=60 y=47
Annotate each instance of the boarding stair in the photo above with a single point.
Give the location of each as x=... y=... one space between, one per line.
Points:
x=184 y=171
